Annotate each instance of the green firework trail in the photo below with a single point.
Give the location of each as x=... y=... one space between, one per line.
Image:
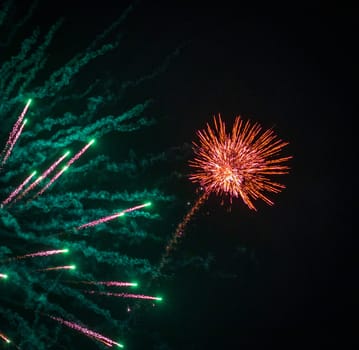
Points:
x=42 y=305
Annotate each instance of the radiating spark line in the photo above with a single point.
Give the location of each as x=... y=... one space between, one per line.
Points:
x=28 y=189
x=59 y=173
x=47 y=172
x=65 y=267
x=107 y=283
x=18 y=189
x=123 y=295
x=3 y=276
x=137 y=207
x=15 y=128
x=19 y=120
x=80 y=153
x=180 y=230
x=54 y=165
x=42 y=253
x=13 y=142
x=112 y=217
x=87 y=332
x=53 y=179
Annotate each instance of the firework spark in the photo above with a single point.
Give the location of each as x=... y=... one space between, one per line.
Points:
x=46 y=173
x=112 y=217
x=13 y=142
x=14 y=131
x=60 y=172
x=14 y=193
x=42 y=254
x=56 y=268
x=124 y=295
x=89 y=333
x=107 y=283
x=239 y=163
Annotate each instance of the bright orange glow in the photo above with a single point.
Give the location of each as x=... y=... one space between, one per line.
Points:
x=239 y=163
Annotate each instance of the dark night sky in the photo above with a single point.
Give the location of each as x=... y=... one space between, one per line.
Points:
x=280 y=275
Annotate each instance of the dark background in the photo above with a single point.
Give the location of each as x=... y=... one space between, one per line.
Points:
x=279 y=276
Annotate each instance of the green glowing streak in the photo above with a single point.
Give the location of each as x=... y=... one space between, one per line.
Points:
x=29 y=101
x=158 y=298
x=65 y=168
x=34 y=173
x=25 y=121
x=67 y=153
x=72 y=267
x=121 y=214
x=65 y=250
x=134 y=284
x=92 y=141
x=120 y=345
x=4 y=276
x=148 y=204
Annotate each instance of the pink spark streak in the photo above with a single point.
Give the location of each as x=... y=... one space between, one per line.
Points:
x=18 y=189
x=111 y=217
x=53 y=179
x=13 y=142
x=59 y=173
x=65 y=267
x=42 y=253
x=110 y=283
x=16 y=127
x=48 y=171
x=53 y=166
x=87 y=332
x=28 y=189
x=123 y=295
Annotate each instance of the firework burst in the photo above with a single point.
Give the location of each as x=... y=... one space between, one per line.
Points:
x=240 y=163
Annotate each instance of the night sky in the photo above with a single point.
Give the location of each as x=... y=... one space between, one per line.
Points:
x=239 y=278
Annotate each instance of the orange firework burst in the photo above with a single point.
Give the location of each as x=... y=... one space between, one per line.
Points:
x=239 y=163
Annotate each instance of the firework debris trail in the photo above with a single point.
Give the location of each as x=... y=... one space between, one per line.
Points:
x=124 y=295
x=59 y=173
x=41 y=253
x=180 y=230
x=14 y=193
x=87 y=332
x=107 y=283
x=43 y=176
x=112 y=217
x=13 y=142
x=70 y=204
x=10 y=143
